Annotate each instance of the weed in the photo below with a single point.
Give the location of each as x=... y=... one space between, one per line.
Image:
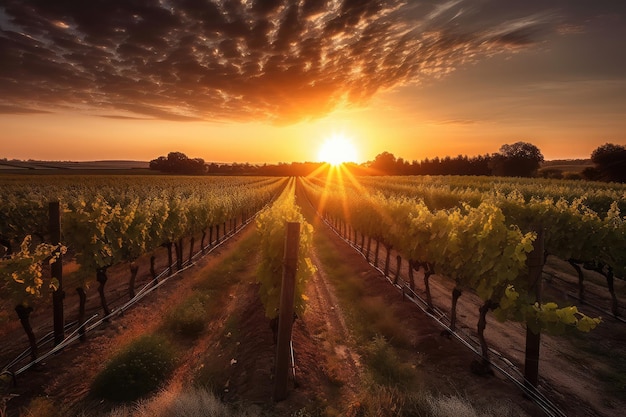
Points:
x=385 y=401
x=220 y=278
x=382 y=321
x=189 y=318
x=136 y=371
x=385 y=365
x=192 y=403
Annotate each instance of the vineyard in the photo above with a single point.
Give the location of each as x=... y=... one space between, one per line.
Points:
x=490 y=243
x=125 y=219
x=463 y=249
x=413 y=218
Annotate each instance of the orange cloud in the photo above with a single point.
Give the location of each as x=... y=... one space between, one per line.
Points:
x=277 y=61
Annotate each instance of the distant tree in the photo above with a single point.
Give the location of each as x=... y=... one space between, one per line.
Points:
x=159 y=164
x=480 y=165
x=521 y=159
x=591 y=174
x=610 y=161
x=385 y=163
x=179 y=163
x=402 y=167
x=213 y=168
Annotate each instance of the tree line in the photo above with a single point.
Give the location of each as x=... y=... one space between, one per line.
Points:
x=520 y=159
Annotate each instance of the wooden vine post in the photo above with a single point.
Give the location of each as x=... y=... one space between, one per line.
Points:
x=56 y=270
x=535 y=262
x=286 y=311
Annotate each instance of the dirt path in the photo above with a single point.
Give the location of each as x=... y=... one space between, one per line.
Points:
x=328 y=325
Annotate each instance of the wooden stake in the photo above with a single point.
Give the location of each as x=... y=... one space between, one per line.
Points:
x=535 y=267
x=286 y=311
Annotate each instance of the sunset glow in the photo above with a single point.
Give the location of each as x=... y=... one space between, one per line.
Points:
x=256 y=81
x=336 y=150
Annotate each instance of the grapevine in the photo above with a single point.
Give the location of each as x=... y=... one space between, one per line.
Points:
x=271 y=226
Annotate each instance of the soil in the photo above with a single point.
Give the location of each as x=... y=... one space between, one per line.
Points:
x=329 y=371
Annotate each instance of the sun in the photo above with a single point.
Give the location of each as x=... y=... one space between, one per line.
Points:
x=337 y=150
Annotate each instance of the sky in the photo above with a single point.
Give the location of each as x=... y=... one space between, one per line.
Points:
x=270 y=81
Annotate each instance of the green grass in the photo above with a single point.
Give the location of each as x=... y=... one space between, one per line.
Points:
x=380 y=337
x=385 y=365
x=189 y=318
x=212 y=374
x=230 y=269
x=139 y=369
x=369 y=315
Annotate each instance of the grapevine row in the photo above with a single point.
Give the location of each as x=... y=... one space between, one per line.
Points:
x=105 y=224
x=473 y=246
x=573 y=230
x=271 y=226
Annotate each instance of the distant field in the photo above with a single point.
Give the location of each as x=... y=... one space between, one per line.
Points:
x=135 y=167
x=568 y=165
x=44 y=167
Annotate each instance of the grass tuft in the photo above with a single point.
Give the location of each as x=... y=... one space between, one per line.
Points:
x=385 y=365
x=189 y=318
x=192 y=403
x=385 y=401
x=136 y=371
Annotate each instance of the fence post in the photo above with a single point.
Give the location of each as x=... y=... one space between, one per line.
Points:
x=535 y=267
x=56 y=269
x=286 y=310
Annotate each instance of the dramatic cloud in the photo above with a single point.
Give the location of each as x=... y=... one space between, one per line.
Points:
x=274 y=60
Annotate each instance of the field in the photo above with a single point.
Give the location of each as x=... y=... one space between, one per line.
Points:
x=361 y=346
x=55 y=166
x=573 y=166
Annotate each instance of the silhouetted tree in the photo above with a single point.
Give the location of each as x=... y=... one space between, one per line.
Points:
x=179 y=163
x=159 y=164
x=591 y=174
x=521 y=159
x=385 y=163
x=610 y=161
